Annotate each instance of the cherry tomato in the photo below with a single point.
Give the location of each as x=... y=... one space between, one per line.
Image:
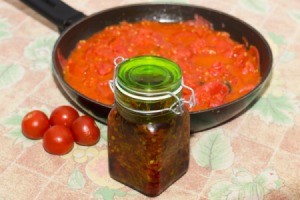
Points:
x=35 y=124
x=58 y=140
x=63 y=115
x=85 y=131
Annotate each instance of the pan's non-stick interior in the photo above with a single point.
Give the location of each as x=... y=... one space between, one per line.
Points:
x=164 y=13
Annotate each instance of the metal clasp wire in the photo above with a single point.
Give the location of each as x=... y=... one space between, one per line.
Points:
x=117 y=61
x=176 y=107
x=192 y=100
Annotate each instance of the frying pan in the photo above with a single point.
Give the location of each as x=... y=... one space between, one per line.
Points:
x=75 y=26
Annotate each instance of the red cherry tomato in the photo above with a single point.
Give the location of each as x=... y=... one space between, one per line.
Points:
x=58 y=140
x=85 y=131
x=35 y=124
x=63 y=115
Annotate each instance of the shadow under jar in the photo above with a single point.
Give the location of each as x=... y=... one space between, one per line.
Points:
x=149 y=125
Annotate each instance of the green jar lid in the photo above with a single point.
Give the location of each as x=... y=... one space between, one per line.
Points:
x=149 y=75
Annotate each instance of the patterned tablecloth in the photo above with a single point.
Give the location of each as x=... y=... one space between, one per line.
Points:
x=254 y=156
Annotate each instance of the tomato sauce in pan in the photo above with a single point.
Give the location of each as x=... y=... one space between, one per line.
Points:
x=218 y=68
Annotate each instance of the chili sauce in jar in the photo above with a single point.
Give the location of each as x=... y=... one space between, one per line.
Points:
x=149 y=125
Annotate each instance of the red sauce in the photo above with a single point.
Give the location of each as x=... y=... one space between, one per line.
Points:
x=219 y=69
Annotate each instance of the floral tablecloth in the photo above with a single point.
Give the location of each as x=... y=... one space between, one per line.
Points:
x=254 y=156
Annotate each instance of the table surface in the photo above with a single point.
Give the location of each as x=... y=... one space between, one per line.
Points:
x=254 y=156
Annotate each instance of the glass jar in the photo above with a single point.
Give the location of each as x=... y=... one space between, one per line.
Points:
x=149 y=126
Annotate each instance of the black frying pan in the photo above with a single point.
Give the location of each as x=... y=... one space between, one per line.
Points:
x=75 y=26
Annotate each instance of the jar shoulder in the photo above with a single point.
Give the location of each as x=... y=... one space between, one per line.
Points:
x=115 y=118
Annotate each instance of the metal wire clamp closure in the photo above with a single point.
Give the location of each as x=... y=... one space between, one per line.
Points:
x=117 y=61
x=176 y=107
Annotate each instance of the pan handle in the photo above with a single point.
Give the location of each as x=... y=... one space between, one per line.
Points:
x=59 y=13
